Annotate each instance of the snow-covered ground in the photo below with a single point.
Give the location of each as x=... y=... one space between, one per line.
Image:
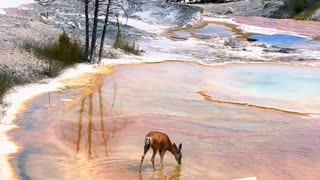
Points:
x=12 y=3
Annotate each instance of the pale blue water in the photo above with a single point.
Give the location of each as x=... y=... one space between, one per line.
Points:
x=290 y=85
x=215 y=31
x=270 y=86
x=288 y=41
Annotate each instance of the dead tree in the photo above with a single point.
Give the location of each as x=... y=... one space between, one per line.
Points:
x=118 y=29
x=106 y=20
x=113 y=8
x=87 y=41
x=94 y=31
x=86 y=11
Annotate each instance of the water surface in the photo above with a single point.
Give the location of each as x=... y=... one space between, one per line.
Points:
x=308 y=28
x=217 y=31
x=287 y=41
x=97 y=131
x=209 y=30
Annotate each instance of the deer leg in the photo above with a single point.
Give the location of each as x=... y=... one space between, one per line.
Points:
x=152 y=159
x=142 y=158
x=161 y=157
x=146 y=148
x=160 y=152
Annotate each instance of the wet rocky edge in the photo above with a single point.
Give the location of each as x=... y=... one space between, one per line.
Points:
x=211 y=49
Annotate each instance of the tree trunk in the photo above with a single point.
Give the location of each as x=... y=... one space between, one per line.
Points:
x=104 y=30
x=86 y=11
x=94 y=31
x=118 y=30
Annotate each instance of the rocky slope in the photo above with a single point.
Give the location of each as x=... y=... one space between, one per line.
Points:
x=311 y=11
x=242 y=8
x=262 y=8
x=16 y=28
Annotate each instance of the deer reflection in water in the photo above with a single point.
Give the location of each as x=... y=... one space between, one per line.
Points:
x=174 y=174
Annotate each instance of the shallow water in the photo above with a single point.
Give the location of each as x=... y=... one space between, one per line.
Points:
x=215 y=31
x=208 y=31
x=308 y=28
x=225 y=30
x=98 y=132
x=287 y=41
x=292 y=88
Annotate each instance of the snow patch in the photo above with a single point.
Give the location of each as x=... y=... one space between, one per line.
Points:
x=2 y=12
x=13 y=3
x=152 y=28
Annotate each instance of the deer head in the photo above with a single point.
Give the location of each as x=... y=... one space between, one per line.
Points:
x=177 y=154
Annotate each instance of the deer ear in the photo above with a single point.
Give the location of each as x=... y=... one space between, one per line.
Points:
x=175 y=146
x=180 y=146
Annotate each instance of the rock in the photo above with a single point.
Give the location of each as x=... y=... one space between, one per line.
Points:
x=275 y=49
x=316 y=15
x=179 y=38
x=229 y=11
x=263 y=45
x=45 y=14
x=243 y=7
x=286 y=50
x=250 y=39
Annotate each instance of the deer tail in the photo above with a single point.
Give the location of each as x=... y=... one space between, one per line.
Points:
x=147 y=144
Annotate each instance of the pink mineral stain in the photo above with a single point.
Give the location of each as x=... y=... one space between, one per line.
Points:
x=101 y=135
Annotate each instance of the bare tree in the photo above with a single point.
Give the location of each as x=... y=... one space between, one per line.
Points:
x=106 y=19
x=113 y=8
x=108 y=8
x=87 y=46
x=118 y=29
x=94 y=30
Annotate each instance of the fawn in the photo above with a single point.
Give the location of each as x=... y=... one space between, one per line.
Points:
x=159 y=141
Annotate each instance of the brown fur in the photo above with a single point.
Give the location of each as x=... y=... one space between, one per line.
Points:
x=160 y=142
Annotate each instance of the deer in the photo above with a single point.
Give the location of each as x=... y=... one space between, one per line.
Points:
x=161 y=142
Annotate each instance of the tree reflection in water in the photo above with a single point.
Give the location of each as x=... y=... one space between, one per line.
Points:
x=97 y=138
